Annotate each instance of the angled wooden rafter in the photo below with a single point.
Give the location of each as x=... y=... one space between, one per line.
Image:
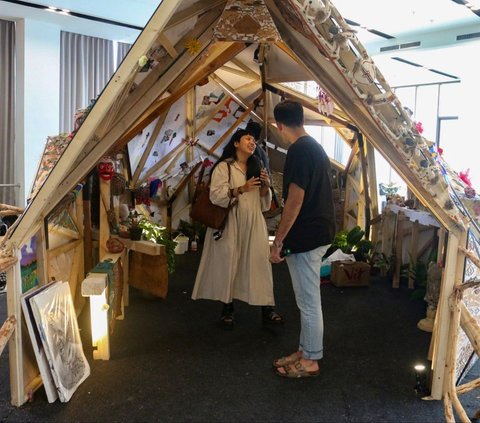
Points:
x=148 y=148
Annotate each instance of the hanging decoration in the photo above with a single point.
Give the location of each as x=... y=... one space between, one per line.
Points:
x=193 y=46
x=106 y=168
x=325 y=103
x=145 y=64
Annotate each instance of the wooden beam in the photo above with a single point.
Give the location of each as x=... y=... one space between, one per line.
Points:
x=198 y=9
x=148 y=148
x=160 y=163
x=167 y=45
x=452 y=276
x=238 y=99
x=54 y=252
x=6 y=332
x=238 y=72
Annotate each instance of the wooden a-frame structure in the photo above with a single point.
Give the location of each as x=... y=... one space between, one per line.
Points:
x=198 y=71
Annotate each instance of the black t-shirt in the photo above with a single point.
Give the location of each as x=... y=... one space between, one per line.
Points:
x=308 y=166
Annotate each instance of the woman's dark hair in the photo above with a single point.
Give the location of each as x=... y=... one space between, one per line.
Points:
x=230 y=152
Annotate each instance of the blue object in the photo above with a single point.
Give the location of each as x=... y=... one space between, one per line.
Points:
x=325 y=270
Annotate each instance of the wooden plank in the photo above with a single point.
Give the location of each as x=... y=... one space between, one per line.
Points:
x=452 y=276
x=148 y=148
x=199 y=8
x=104 y=223
x=54 y=252
x=6 y=332
x=167 y=45
x=15 y=346
x=160 y=163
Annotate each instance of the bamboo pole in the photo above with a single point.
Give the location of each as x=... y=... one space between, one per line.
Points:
x=450 y=388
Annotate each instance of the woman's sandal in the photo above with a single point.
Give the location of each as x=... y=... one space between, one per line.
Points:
x=289 y=359
x=269 y=315
x=295 y=371
x=226 y=319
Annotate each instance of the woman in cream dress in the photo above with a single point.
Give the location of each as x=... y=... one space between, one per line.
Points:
x=236 y=266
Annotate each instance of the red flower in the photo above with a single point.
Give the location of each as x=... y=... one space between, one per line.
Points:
x=465 y=178
x=419 y=127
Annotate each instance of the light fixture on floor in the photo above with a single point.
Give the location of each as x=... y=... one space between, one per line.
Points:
x=420 y=387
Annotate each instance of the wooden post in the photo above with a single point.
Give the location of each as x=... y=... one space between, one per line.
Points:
x=452 y=275
x=104 y=223
x=15 y=347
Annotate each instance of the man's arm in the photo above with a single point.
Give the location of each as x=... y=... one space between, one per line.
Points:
x=289 y=215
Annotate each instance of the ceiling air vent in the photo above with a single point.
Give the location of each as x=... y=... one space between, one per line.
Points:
x=410 y=45
x=401 y=46
x=389 y=48
x=468 y=36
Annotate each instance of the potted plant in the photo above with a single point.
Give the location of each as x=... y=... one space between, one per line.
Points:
x=159 y=234
x=351 y=273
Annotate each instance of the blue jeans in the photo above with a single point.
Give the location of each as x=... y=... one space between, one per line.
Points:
x=305 y=273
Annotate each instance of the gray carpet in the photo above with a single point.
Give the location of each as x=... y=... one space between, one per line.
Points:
x=171 y=362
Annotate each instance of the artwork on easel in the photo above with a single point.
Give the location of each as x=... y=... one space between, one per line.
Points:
x=57 y=323
x=29 y=265
x=466 y=356
x=64 y=220
x=37 y=344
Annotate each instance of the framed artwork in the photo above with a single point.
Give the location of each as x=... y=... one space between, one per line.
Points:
x=29 y=264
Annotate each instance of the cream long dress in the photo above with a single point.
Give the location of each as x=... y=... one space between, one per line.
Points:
x=237 y=265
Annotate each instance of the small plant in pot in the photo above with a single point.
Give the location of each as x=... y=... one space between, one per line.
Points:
x=352 y=242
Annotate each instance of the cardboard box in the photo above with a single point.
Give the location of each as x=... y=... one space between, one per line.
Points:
x=350 y=273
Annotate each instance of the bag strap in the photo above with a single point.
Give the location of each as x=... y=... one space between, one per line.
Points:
x=199 y=181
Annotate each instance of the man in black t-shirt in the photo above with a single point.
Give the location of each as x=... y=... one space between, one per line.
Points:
x=305 y=231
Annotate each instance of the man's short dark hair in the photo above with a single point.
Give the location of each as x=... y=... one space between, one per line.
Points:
x=289 y=113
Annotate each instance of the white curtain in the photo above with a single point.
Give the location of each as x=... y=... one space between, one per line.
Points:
x=86 y=66
x=7 y=112
x=122 y=50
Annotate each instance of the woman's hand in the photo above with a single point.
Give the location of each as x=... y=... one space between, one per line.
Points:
x=264 y=178
x=251 y=184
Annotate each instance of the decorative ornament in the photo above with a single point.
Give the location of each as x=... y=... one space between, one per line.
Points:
x=470 y=192
x=364 y=72
x=106 y=169
x=193 y=46
x=325 y=103
x=465 y=177
x=145 y=64
x=419 y=127
x=379 y=99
